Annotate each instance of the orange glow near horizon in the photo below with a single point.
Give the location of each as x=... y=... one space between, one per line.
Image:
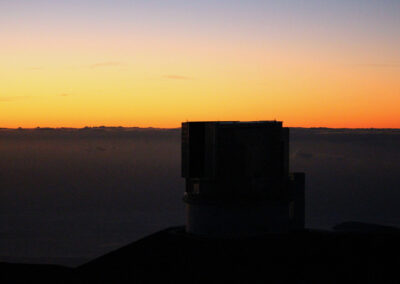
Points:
x=120 y=94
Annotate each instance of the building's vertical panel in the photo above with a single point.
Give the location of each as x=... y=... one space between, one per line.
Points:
x=196 y=149
x=285 y=150
x=209 y=150
x=185 y=149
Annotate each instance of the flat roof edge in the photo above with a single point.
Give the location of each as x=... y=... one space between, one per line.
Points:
x=238 y=122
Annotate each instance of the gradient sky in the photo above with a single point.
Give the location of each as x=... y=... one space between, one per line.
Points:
x=157 y=63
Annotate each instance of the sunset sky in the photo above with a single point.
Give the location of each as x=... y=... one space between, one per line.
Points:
x=158 y=63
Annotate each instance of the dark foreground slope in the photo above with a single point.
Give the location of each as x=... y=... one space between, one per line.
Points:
x=299 y=257
x=34 y=273
x=171 y=256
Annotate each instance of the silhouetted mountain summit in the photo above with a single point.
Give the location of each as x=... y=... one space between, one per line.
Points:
x=173 y=256
x=297 y=257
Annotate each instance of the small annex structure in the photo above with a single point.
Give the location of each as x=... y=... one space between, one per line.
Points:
x=237 y=179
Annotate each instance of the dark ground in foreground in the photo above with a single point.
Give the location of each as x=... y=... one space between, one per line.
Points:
x=354 y=252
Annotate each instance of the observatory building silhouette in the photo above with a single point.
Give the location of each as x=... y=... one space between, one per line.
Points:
x=237 y=179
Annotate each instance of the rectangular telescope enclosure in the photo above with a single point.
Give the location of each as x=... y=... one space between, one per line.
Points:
x=229 y=166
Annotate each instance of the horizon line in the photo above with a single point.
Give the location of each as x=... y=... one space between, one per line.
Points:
x=175 y=128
